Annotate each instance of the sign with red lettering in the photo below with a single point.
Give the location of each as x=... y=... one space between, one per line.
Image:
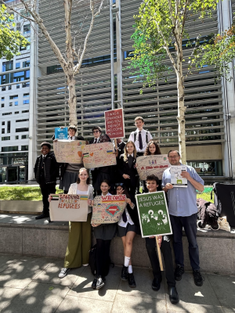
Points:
x=108 y=209
x=114 y=123
x=65 y=207
x=152 y=164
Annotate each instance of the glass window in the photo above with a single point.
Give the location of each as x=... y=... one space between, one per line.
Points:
x=3 y=130
x=24 y=85
x=26 y=95
x=16 y=103
x=7 y=113
x=2 y=105
x=3 y=98
x=23 y=129
x=26 y=63
x=17 y=86
x=23 y=120
x=13 y=97
x=24 y=148
x=3 y=123
x=26 y=29
x=17 y=112
x=10 y=104
x=9 y=126
x=6 y=138
x=25 y=101
x=9 y=87
x=17 y=65
x=3 y=88
x=4 y=79
x=7 y=149
x=16 y=137
x=25 y=111
x=7 y=66
x=18 y=27
x=24 y=136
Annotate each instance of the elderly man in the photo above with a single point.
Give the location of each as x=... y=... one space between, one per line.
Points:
x=183 y=214
x=45 y=171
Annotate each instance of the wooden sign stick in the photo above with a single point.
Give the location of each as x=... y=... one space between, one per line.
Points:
x=159 y=254
x=115 y=141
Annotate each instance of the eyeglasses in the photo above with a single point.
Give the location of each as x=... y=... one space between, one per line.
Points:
x=119 y=184
x=95 y=131
x=173 y=157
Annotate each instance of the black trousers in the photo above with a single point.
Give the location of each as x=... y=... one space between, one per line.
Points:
x=167 y=255
x=46 y=189
x=102 y=257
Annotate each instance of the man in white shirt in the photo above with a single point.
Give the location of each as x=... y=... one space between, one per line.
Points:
x=140 y=136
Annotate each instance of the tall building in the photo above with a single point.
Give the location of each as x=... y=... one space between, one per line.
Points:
x=14 y=111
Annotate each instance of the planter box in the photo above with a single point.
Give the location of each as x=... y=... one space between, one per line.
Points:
x=20 y=206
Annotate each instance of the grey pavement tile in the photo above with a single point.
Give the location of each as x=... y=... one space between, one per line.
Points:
x=20 y=271
x=195 y=299
x=6 y=296
x=143 y=288
x=37 y=298
x=82 y=287
x=140 y=304
x=224 y=288
x=50 y=275
x=75 y=305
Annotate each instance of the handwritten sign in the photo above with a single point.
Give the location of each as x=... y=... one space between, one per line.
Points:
x=68 y=151
x=67 y=207
x=98 y=155
x=176 y=178
x=114 y=123
x=153 y=214
x=108 y=209
x=152 y=164
x=61 y=133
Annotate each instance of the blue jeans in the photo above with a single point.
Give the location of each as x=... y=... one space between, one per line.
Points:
x=190 y=227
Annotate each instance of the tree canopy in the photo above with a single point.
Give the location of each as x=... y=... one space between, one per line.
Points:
x=10 y=40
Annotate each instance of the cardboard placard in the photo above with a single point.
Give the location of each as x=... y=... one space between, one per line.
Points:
x=108 y=209
x=68 y=151
x=176 y=179
x=114 y=123
x=152 y=164
x=67 y=207
x=61 y=133
x=98 y=155
x=153 y=214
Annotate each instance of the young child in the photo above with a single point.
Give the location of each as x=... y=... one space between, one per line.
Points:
x=152 y=183
x=127 y=167
x=128 y=226
x=103 y=234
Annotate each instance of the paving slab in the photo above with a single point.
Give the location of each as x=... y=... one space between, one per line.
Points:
x=7 y=294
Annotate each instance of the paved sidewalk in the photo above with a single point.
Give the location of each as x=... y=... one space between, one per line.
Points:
x=31 y=285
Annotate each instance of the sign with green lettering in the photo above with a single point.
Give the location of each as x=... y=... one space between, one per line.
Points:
x=153 y=214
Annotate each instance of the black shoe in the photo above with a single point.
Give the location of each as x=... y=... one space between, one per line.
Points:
x=179 y=271
x=100 y=283
x=93 y=285
x=173 y=295
x=131 y=280
x=124 y=274
x=156 y=284
x=41 y=216
x=197 y=278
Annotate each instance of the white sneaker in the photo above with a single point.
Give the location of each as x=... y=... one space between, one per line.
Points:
x=63 y=272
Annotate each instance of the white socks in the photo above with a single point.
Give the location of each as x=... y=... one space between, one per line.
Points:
x=126 y=261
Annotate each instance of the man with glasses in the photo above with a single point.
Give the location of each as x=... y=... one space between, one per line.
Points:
x=183 y=214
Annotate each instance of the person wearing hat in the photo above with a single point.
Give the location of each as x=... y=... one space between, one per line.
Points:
x=69 y=171
x=46 y=170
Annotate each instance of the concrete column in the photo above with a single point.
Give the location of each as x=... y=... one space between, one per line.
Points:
x=225 y=22
x=119 y=53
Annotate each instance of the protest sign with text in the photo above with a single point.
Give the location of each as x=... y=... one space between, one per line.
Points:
x=176 y=179
x=114 y=123
x=108 y=209
x=153 y=214
x=61 y=133
x=152 y=164
x=65 y=207
x=98 y=155
x=68 y=151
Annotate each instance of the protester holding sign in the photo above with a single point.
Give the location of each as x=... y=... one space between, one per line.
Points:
x=152 y=183
x=69 y=171
x=79 y=244
x=127 y=167
x=104 y=233
x=128 y=226
x=183 y=214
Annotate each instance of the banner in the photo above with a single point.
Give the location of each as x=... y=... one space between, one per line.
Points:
x=98 y=155
x=152 y=164
x=108 y=209
x=153 y=214
x=67 y=207
x=176 y=179
x=114 y=123
x=68 y=151
x=61 y=133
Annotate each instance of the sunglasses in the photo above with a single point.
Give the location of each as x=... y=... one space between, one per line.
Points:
x=119 y=184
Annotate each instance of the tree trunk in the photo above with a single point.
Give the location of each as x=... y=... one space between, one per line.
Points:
x=72 y=101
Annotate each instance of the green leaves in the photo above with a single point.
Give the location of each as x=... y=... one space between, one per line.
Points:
x=10 y=40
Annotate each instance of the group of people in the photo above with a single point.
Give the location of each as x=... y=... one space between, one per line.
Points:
x=123 y=179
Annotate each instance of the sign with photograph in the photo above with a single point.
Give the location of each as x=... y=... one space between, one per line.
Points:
x=61 y=133
x=153 y=214
x=68 y=151
x=108 y=209
x=176 y=178
x=65 y=207
x=152 y=164
x=114 y=123
x=98 y=155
